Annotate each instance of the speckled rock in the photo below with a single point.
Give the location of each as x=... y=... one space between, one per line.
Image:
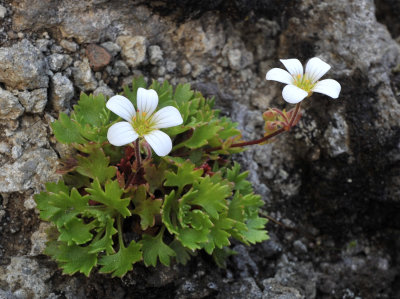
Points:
x=61 y=92
x=23 y=66
x=10 y=108
x=133 y=49
x=33 y=101
x=33 y=168
x=83 y=76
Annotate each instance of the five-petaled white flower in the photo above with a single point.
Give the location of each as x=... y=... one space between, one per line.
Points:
x=302 y=85
x=143 y=122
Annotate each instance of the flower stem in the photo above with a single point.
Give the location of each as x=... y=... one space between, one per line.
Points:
x=120 y=238
x=265 y=138
x=137 y=154
x=294 y=114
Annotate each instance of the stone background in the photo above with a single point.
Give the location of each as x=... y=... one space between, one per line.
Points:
x=333 y=183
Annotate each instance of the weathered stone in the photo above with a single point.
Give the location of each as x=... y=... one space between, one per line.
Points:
x=83 y=76
x=39 y=239
x=104 y=90
x=275 y=290
x=98 y=57
x=112 y=48
x=133 y=49
x=10 y=108
x=239 y=59
x=155 y=55
x=58 y=62
x=33 y=168
x=3 y=12
x=69 y=46
x=61 y=92
x=26 y=278
x=33 y=101
x=23 y=66
x=120 y=68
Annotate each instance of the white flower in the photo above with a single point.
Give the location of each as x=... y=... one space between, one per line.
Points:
x=143 y=122
x=302 y=85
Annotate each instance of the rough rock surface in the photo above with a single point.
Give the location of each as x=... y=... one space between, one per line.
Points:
x=23 y=66
x=331 y=185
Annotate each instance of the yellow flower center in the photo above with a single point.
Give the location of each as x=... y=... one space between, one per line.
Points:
x=303 y=82
x=141 y=124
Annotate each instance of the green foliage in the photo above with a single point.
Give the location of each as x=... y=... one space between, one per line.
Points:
x=191 y=200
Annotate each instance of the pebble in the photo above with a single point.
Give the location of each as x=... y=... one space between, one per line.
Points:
x=155 y=55
x=112 y=48
x=3 y=12
x=133 y=49
x=69 y=46
x=98 y=57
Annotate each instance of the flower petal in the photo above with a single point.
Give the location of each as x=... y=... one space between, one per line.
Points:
x=329 y=87
x=122 y=107
x=293 y=94
x=147 y=101
x=160 y=142
x=279 y=75
x=316 y=68
x=121 y=133
x=167 y=117
x=293 y=65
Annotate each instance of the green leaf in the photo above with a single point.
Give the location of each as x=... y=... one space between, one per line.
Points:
x=146 y=208
x=122 y=261
x=201 y=135
x=185 y=175
x=192 y=238
x=72 y=258
x=182 y=253
x=219 y=237
x=211 y=196
x=106 y=242
x=241 y=184
x=68 y=206
x=183 y=93
x=76 y=231
x=91 y=110
x=256 y=230
x=169 y=213
x=111 y=197
x=67 y=130
x=95 y=166
x=42 y=199
x=153 y=248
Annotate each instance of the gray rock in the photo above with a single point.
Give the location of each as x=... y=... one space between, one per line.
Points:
x=26 y=278
x=104 y=90
x=61 y=92
x=33 y=101
x=69 y=46
x=112 y=48
x=83 y=76
x=299 y=247
x=120 y=68
x=3 y=12
x=337 y=136
x=33 y=168
x=242 y=289
x=133 y=49
x=39 y=239
x=10 y=108
x=43 y=44
x=58 y=62
x=170 y=66
x=155 y=55
x=239 y=59
x=23 y=66
x=274 y=290
x=244 y=262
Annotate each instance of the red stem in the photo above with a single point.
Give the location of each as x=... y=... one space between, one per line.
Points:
x=261 y=140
